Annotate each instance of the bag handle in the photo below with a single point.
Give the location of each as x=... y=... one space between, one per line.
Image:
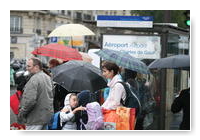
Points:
x=18 y=96
x=81 y=121
x=135 y=97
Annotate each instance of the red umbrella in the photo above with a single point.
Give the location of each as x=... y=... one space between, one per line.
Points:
x=58 y=51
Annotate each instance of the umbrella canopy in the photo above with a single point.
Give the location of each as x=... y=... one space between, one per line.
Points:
x=70 y=30
x=78 y=76
x=172 y=62
x=58 y=51
x=124 y=60
x=86 y=57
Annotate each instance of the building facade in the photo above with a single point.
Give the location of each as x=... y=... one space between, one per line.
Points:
x=30 y=28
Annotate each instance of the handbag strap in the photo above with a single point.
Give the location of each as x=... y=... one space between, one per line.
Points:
x=18 y=95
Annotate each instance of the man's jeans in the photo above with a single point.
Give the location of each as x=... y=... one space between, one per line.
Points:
x=36 y=127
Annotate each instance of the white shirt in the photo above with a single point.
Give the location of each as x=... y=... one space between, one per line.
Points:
x=117 y=92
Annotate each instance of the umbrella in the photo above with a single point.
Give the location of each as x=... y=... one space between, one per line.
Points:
x=58 y=51
x=124 y=60
x=70 y=30
x=86 y=57
x=173 y=62
x=79 y=75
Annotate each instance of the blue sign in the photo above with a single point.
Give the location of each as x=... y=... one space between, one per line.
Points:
x=125 y=18
x=125 y=21
x=54 y=39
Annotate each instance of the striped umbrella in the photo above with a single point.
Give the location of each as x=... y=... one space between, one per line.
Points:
x=124 y=60
x=58 y=51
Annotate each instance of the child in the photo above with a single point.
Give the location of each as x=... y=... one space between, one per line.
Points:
x=67 y=113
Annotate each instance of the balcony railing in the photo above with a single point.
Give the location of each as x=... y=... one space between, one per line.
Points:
x=16 y=30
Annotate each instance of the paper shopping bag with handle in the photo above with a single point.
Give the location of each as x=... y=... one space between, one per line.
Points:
x=110 y=119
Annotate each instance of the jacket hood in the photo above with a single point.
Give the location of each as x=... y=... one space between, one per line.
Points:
x=66 y=102
x=84 y=97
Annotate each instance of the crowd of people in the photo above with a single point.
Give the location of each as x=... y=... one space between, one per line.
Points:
x=42 y=98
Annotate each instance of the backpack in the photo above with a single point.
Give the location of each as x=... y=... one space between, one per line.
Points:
x=54 y=123
x=131 y=100
x=95 y=117
x=84 y=97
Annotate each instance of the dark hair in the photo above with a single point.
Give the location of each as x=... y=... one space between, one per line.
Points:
x=111 y=66
x=46 y=72
x=129 y=74
x=37 y=61
x=54 y=62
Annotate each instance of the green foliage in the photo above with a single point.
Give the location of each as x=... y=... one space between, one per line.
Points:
x=177 y=16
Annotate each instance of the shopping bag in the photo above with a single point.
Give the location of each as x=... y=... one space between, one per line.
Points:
x=132 y=119
x=124 y=117
x=15 y=100
x=110 y=119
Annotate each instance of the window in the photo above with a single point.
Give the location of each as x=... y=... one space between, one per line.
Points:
x=38 y=23
x=87 y=17
x=15 y=24
x=11 y=55
x=63 y=12
x=93 y=17
x=13 y=40
x=172 y=44
x=177 y=44
x=38 y=31
x=69 y=13
x=79 y=15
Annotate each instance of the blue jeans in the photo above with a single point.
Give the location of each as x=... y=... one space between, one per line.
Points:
x=36 y=127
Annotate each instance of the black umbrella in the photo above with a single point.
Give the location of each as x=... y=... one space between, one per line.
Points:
x=79 y=75
x=172 y=62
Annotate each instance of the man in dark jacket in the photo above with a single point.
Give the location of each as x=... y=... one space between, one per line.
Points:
x=183 y=102
x=36 y=105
